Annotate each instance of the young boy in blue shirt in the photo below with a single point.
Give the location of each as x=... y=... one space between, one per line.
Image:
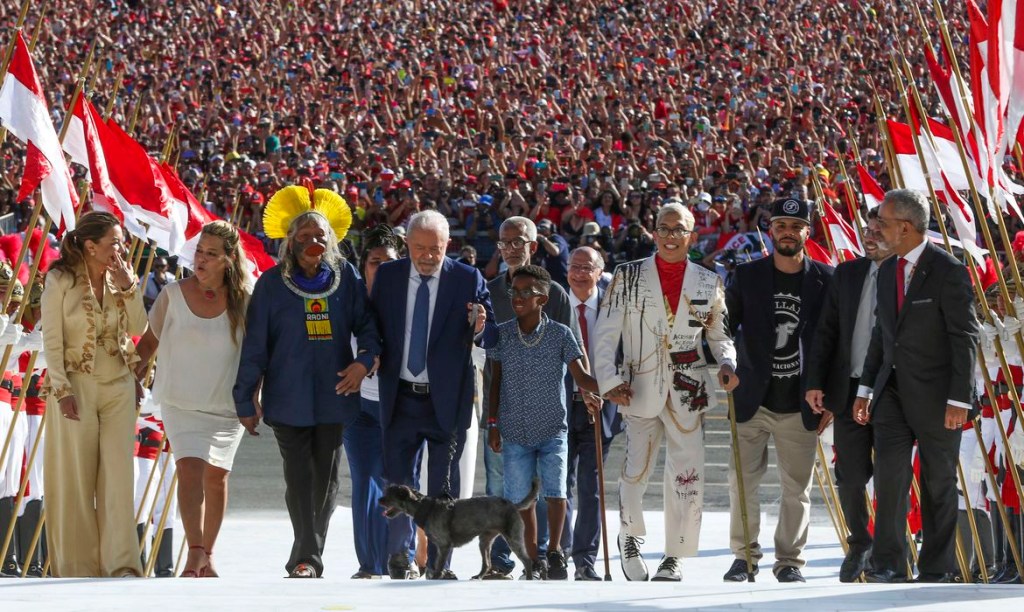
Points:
x=527 y=412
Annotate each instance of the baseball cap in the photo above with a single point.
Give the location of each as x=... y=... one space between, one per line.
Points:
x=791 y=208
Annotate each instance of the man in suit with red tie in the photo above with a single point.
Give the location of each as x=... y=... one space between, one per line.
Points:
x=916 y=386
x=833 y=374
x=585 y=267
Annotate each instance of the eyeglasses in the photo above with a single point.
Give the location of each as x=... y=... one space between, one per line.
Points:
x=515 y=243
x=675 y=232
x=524 y=294
x=582 y=268
x=885 y=222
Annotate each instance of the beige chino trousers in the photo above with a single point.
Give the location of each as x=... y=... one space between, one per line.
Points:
x=795 y=449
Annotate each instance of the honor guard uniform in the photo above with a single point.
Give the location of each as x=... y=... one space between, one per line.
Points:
x=12 y=426
x=150 y=455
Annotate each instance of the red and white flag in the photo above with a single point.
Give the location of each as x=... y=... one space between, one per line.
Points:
x=257 y=260
x=910 y=165
x=819 y=253
x=873 y=192
x=25 y=114
x=844 y=237
x=84 y=142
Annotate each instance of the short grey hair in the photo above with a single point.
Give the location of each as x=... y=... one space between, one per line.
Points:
x=429 y=220
x=593 y=253
x=675 y=208
x=526 y=226
x=910 y=205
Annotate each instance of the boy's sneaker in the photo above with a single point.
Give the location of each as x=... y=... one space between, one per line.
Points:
x=668 y=571
x=633 y=565
x=557 y=568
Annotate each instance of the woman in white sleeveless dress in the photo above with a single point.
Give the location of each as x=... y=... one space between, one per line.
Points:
x=195 y=329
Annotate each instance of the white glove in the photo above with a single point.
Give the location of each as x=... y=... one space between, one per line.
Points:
x=1016 y=439
x=11 y=335
x=976 y=466
x=5 y=320
x=32 y=341
x=1018 y=307
x=988 y=337
x=1008 y=329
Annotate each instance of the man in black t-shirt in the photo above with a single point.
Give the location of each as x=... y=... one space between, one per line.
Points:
x=771 y=344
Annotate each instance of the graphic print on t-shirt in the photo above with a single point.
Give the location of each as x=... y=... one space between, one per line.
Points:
x=786 y=358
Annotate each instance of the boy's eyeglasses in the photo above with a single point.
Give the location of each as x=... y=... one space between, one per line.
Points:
x=524 y=294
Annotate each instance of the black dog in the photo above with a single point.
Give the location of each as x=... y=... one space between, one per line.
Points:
x=452 y=523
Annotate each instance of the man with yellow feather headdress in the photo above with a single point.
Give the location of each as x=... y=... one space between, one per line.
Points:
x=298 y=371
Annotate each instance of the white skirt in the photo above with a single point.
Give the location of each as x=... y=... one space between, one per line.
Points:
x=214 y=438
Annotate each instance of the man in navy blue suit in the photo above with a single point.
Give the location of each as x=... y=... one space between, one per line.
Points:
x=585 y=267
x=430 y=311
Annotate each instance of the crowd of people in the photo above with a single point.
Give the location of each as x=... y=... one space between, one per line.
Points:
x=589 y=165
x=588 y=115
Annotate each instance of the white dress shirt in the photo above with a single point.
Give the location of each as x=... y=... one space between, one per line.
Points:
x=410 y=305
x=591 y=317
x=591 y=311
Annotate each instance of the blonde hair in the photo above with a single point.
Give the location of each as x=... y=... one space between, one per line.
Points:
x=91 y=226
x=235 y=275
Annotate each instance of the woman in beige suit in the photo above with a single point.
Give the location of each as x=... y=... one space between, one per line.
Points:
x=91 y=308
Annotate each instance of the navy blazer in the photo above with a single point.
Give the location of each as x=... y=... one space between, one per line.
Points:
x=449 y=347
x=748 y=299
x=299 y=374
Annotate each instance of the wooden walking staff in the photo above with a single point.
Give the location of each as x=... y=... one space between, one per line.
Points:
x=739 y=487
x=599 y=442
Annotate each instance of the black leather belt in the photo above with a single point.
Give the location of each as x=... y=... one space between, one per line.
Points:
x=577 y=397
x=414 y=387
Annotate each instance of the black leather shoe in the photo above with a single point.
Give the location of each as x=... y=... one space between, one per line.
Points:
x=789 y=574
x=738 y=572
x=884 y=576
x=586 y=572
x=854 y=564
x=938 y=578
x=399 y=568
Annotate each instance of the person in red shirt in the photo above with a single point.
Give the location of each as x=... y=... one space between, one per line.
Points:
x=661 y=309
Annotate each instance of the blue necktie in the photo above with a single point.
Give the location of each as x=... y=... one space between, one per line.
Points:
x=420 y=324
